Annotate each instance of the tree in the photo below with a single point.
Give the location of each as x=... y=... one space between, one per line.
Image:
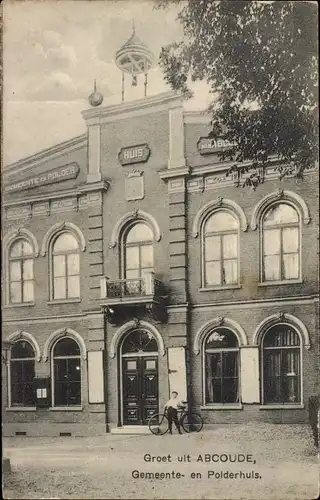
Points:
x=261 y=60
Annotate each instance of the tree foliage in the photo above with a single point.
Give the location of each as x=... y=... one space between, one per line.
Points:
x=261 y=61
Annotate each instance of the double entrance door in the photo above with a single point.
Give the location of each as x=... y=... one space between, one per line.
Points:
x=139 y=389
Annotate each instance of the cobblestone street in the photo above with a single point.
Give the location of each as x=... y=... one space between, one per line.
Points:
x=283 y=460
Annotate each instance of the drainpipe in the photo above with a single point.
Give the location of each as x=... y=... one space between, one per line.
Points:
x=105 y=366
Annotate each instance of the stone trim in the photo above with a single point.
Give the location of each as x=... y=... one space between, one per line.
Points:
x=53 y=152
x=59 y=334
x=138 y=107
x=20 y=335
x=281 y=195
x=205 y=329
x=131 y=325
x=61 y=226
x=218 y=204
x=134 y=215
x=20 y=232
x=282 y=318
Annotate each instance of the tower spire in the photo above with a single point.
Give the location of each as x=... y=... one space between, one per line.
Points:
x=133 y=27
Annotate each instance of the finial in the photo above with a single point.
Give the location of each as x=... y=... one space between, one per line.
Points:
x=95 y=99
x=133 y=27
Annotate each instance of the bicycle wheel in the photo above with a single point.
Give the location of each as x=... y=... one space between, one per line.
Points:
x=158 y=424
x=192 y=422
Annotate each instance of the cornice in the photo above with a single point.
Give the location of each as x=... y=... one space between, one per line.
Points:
x=166 y=100
x=53 y=152
x=174 y=172
x=79 y=190
x=256 y=303
x=202 y=117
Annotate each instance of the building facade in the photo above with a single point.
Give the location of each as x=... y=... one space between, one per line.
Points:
x=133 y=266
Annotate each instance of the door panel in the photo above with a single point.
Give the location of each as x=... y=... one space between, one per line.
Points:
x=140 y=389
x=149 y=387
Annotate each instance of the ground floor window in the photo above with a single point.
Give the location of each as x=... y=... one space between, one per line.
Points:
x=22 y=371
x=66 y=373
x=281 y=365
x=221 y=361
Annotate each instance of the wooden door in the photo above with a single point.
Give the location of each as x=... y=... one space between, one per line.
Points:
x=140 y=389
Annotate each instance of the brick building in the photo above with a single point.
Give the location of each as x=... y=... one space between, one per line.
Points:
x=132 y=266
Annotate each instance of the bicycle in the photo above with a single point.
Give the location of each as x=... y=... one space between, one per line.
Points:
x=190 y=421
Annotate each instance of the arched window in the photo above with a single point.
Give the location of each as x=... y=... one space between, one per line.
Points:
x=22 y=372
x=137 y=251
x=280 y=243
x=66 y=368
x=139 y=341
x=221 y=367
x=281 y=365
x=220 y=249
x=65 y=267
x=21 y=285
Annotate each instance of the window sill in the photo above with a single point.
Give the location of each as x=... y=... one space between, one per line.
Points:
x=64 y=301
x=22 y=304
x=282 y=407
x=222 y=407
x=66 y=408
x=283 y=282
x=21 y=408
x=222 y=287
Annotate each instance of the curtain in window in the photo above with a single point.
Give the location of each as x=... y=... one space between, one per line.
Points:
x=281 y=243
x=66 y=267
x=220 y=252
x=21 y=287
x=281 y=365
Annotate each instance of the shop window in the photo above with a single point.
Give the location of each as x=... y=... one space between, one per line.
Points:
x=281 y=365
x=137 y=251
x=21 y=279
x=22 y=372
x=280 y=243
x=220 y=249
x=221 y=367
x=65 y=267
x=66 y=366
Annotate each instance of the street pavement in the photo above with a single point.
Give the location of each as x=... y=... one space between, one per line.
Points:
x=254 y=461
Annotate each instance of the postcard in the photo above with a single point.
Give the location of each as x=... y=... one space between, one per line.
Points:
x=160 y=209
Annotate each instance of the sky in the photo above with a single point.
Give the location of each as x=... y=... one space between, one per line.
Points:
x=53 y=51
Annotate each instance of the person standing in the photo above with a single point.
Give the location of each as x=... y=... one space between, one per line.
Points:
x=172 y=407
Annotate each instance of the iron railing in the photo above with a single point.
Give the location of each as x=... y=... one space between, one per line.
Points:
x=149 y=285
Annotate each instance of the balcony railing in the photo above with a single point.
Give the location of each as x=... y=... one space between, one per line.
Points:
x=148 y=286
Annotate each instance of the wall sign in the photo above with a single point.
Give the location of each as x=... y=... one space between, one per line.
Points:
x=134 y=154
x=207 y=146
x=59 y=174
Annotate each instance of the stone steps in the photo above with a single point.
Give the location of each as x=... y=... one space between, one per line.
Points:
x=131 y=429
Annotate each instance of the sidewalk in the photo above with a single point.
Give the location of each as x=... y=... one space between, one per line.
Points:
x=101 y=467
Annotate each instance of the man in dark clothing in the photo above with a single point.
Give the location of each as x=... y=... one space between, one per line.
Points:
x=172 y=407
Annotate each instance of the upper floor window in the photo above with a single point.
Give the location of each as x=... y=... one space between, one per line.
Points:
x=65 y=267
x=281 y=365
x=281 y=243
x=22 y=372
x=221 y=360
x=137 y=251
x=220 y=249
x=21 y=284
x=66 y=373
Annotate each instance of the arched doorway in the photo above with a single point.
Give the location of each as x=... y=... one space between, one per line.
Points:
x=139 y=360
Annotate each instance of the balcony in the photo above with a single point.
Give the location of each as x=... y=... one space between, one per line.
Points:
x=133 y=291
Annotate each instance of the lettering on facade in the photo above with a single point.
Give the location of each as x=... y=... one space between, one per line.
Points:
x=59 y=174
x=207 y=146
x=134 y=154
